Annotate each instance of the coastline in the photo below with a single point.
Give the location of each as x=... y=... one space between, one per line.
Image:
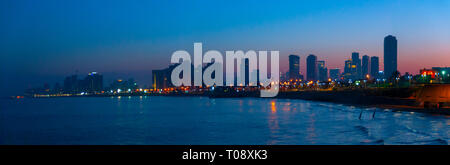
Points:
x=350 y=98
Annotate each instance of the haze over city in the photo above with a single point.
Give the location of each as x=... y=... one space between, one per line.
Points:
x=47 y=40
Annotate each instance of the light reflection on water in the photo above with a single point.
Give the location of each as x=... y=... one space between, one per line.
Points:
x=200 y=120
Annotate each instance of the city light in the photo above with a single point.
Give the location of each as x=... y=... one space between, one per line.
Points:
x=354 y=74
x=288 y=73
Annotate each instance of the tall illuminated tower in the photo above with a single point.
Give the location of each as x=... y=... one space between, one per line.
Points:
x=390 y=55
x=311 y=67
x=294 y=67
x=365 y=65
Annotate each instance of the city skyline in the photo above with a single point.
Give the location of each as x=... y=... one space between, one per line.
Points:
x=49 y=40
x=355 y=68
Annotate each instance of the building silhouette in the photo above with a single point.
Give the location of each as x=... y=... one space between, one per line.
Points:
x=71 y=84
x=390 y=55
x=311 y=68
x=365 y=66
x=374 y=67
x=93 y=82
x=294 y=67
x=335 y=74
x=348 y=66
x=322 y=71
x=162 y=78
x=348 y=73
x=245 y=64
x=356 y=61
x=247 y=72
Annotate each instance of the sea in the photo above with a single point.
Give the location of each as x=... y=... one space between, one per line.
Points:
x=163 y=120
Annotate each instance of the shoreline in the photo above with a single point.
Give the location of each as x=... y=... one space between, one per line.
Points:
x=349 y=98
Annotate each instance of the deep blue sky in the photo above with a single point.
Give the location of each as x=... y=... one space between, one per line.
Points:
x=43 y=41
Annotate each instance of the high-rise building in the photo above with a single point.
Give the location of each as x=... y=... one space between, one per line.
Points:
x=71 y=84
x=322 y=70
x=349 y=70
x=356 y=61
x=162 y=78
x=311 y=68
x=93 y=82
x=334 y=74
x=246 y=63
x=365 y=66
x=374 y=66
x=390 y=55
x=348 y=66
x=294 y=67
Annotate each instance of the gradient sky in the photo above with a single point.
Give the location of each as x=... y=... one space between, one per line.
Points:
x=44 y=41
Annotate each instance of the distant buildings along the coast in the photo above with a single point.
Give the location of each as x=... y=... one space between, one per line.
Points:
x=356 y=71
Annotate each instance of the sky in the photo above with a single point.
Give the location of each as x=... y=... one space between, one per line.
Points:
x=44 y=41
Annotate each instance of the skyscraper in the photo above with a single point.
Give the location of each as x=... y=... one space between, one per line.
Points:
x=245 y=63
x=71 y=84
x=334 y=74
x=365 y=66
x=94 y=82
x=374 y=66
x=162 y=78
x=348 y=74
x=294 y=67
x=311 y=67
x=356 y=61
x=322 y=70
x=390 y=55
x=347 y=66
